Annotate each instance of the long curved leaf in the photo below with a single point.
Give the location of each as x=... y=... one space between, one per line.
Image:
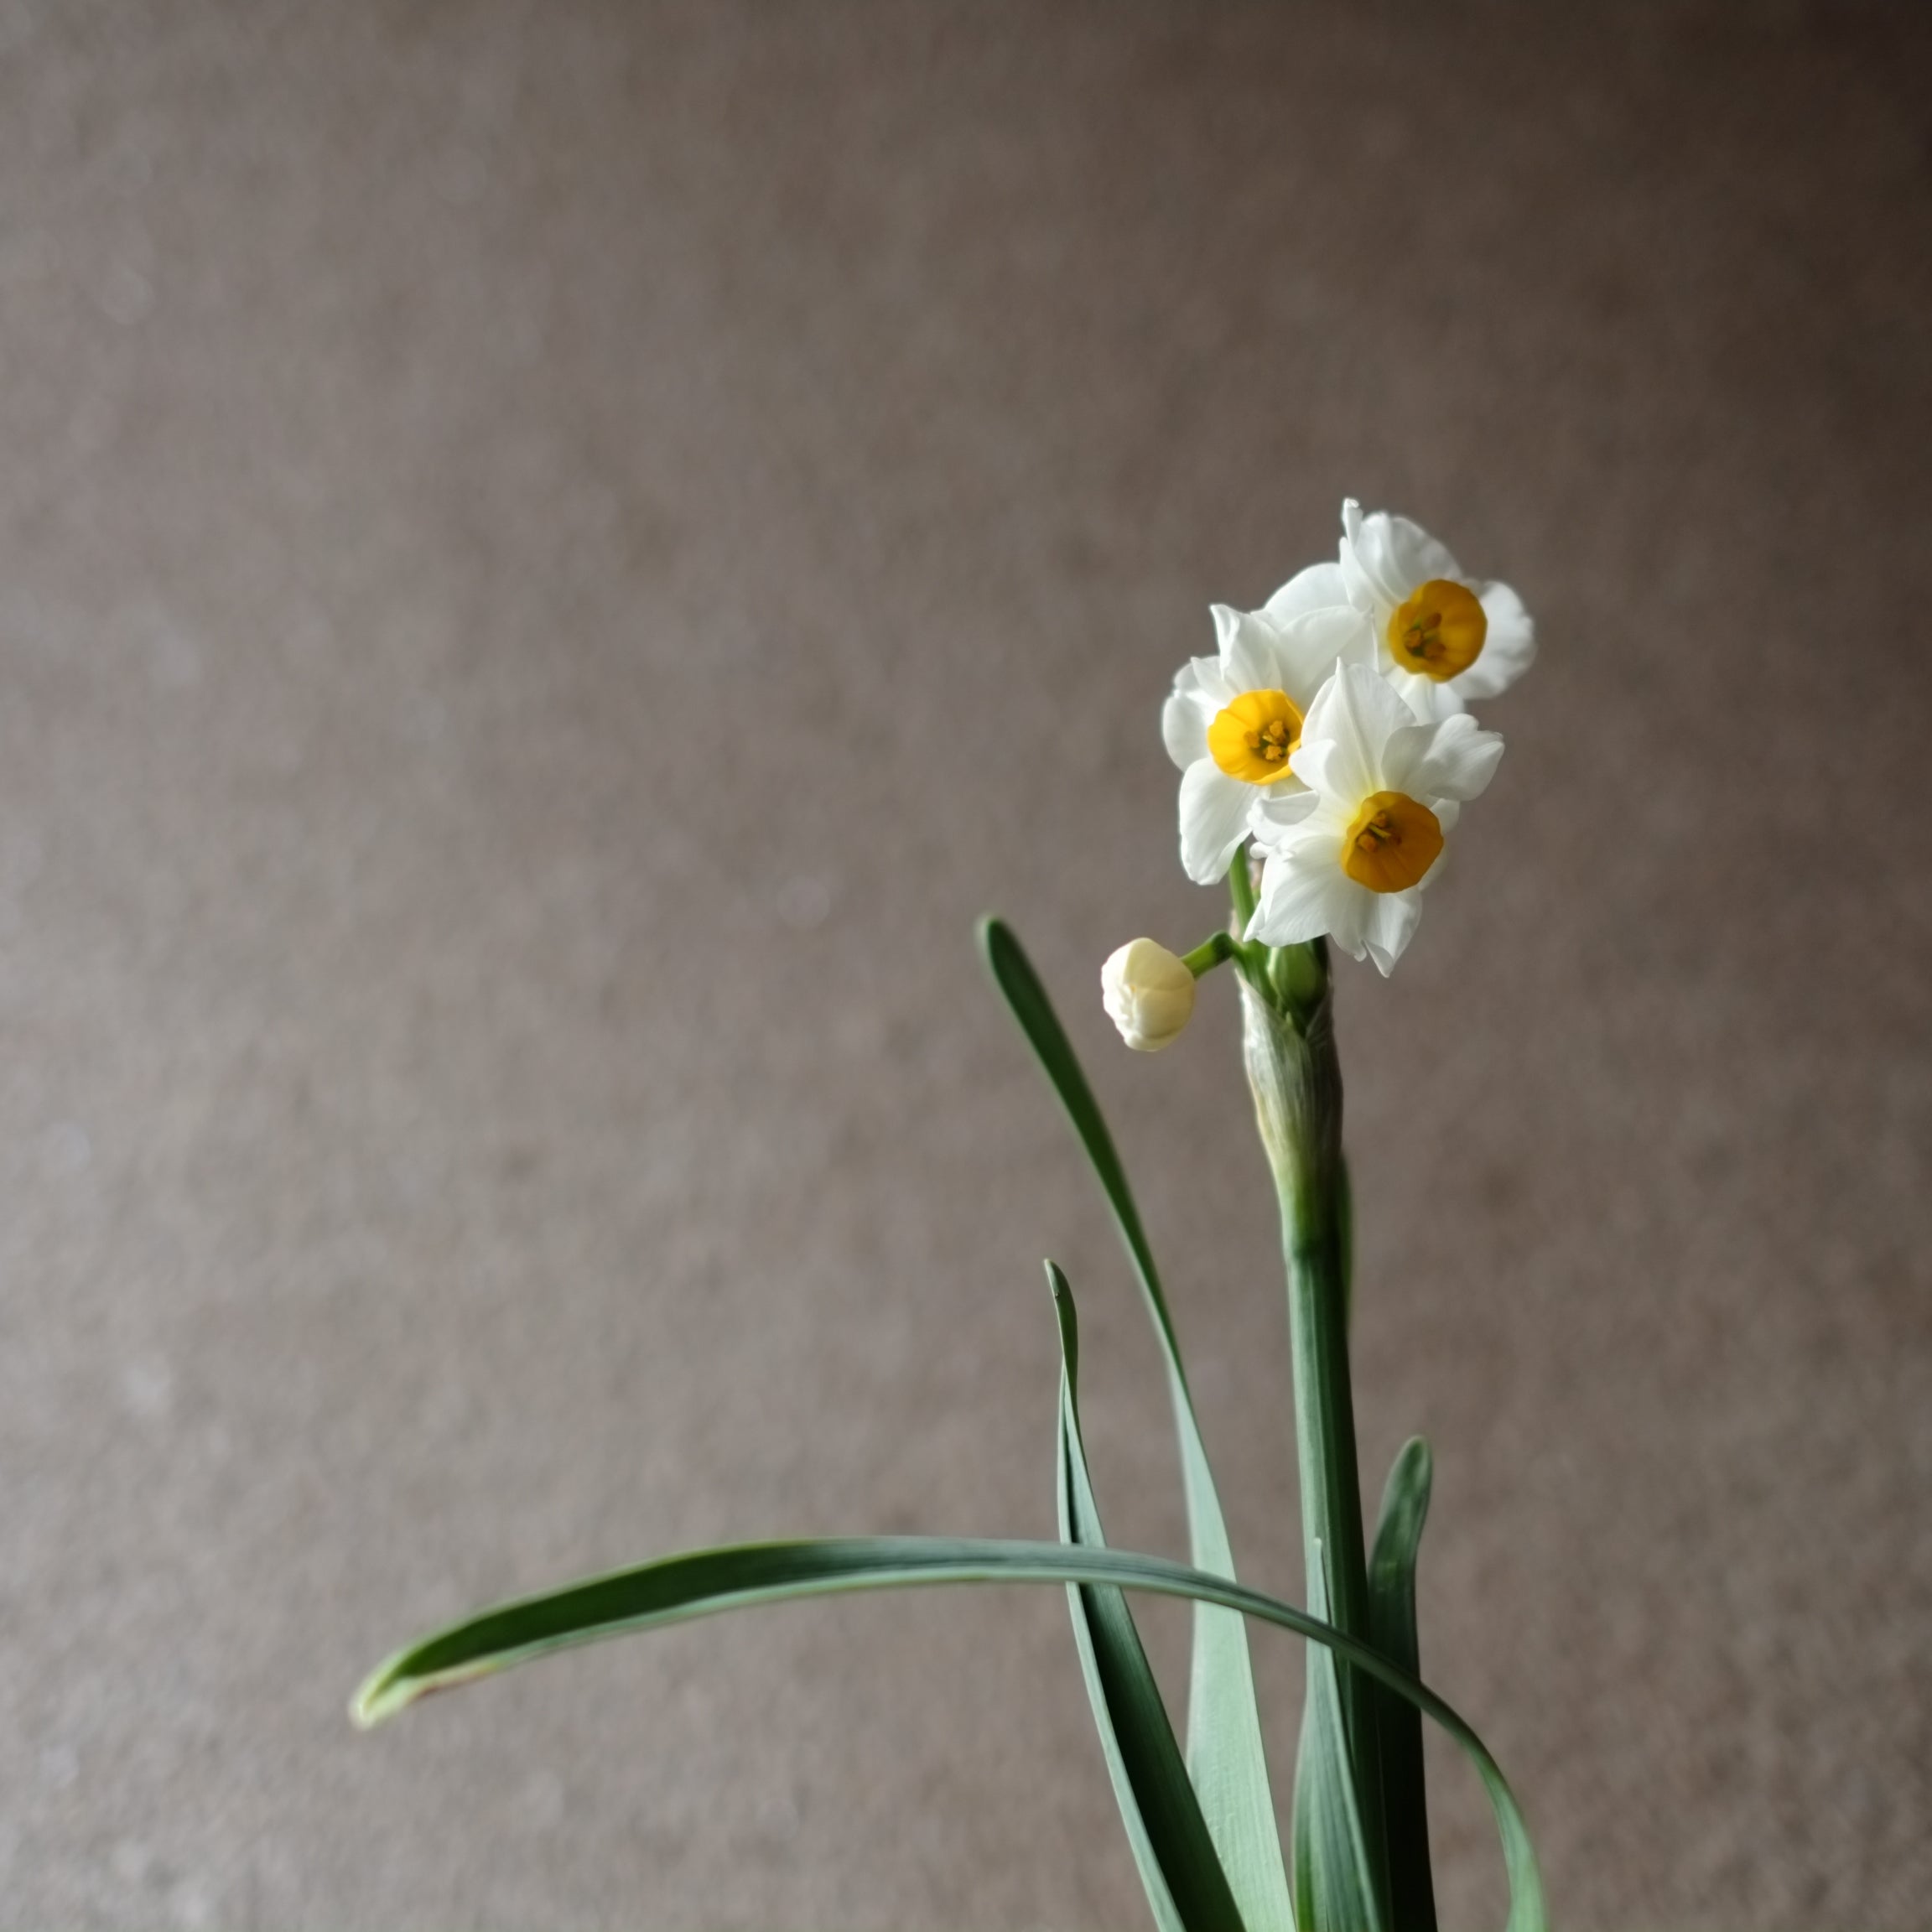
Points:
x=1180 y=1869
x=1225 y=1755
x=703 y=1582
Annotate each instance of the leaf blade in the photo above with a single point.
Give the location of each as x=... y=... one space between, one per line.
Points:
x=1392 y=1628
x=705 y=1582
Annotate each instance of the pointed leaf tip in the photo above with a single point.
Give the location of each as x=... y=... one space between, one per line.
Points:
x=1067 y=1316
x=379 y=1698
x=1404 y=1511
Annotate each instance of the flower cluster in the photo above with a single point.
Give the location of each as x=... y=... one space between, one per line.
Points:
x=1330 y=732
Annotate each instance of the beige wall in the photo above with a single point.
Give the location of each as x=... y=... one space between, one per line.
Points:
x=552 y=558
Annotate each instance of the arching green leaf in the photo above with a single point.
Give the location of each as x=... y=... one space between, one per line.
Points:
x=677 y=1588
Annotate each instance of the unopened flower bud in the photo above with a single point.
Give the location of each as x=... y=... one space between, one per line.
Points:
x=1149 y=994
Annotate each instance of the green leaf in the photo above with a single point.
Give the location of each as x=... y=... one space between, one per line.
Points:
x=677 y=1588
x=1392 y=1629
x=1225 y=1755
x=1179 y=1868
x=1334 y=1882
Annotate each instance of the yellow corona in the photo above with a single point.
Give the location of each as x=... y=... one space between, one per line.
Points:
x=1438 y=631
x=1392 y=843
x=1253 y=738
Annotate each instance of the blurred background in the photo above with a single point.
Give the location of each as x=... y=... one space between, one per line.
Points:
x=553 y=557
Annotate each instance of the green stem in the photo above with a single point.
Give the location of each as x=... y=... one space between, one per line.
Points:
x=1213 y=951
x=1241 y=890
x=1297 y=1080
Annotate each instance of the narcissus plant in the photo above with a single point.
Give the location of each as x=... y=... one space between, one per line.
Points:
x=1326 y=745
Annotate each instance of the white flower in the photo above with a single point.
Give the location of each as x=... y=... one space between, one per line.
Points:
x=1351 y=854
x=1445 y=640
x=1149 y=994
x=1233 y=721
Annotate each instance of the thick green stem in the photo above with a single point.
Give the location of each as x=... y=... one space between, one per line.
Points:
x=1288 y=1033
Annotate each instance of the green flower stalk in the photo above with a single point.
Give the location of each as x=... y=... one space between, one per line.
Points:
x=1288 y=1046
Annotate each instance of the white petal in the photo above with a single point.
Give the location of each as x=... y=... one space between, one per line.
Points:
x=1413 y=556
x=1311 y=645
x=1406 y=749
x=1351 y=908
x=1352 y=717
x=1214 y=813
x=1184 y=718
x=1455 y=759
x=1303 y=891
x=1250 y=650
x=1210 y=681
x=1283 y=806
x=1385 y=558
x=1314 y=589
x=1362 y=592
x=1389 y=925
x=1429 y=699
x=1508 y=645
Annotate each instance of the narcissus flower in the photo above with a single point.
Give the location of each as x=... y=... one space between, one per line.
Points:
x=1149 y=994
x=1445 y=640
x=1349 y=856
x=1233 y=721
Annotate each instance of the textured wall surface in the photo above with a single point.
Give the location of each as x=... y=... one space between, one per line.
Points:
x=552 y=557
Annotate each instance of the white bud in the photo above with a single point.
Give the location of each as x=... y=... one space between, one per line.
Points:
x=1149 y=994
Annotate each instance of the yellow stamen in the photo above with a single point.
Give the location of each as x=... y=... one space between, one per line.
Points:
x=1393 y=843
x=1438 y=631
x=1254 y=736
